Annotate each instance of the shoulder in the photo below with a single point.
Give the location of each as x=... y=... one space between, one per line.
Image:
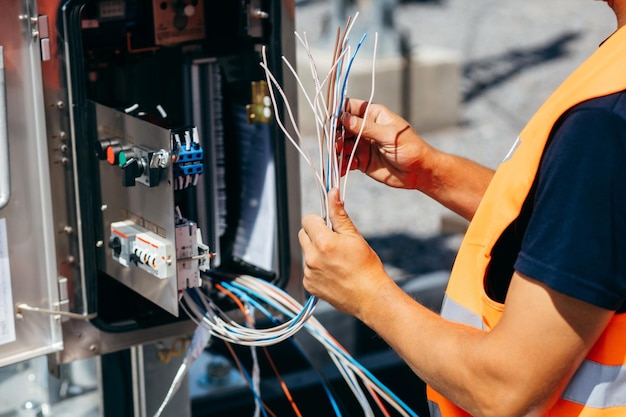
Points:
x=613 y=103
x=580 y=197
x=610 y=108
x=596 y=126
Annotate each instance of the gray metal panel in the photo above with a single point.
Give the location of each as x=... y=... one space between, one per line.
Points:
x=28 y=215
x=153 y=204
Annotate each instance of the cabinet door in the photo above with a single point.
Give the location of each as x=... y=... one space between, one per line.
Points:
x=27 y=257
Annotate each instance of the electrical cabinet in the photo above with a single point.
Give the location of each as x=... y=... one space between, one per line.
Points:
x=140 y=156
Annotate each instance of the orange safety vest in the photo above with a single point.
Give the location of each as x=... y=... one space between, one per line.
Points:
x=599 y=386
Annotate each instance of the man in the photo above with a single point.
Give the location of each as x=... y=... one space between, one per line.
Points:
x=532 y=322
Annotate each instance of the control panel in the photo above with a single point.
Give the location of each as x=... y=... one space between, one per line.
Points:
x=146 y=173
x=178 y=169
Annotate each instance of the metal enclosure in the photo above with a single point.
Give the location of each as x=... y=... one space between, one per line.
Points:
x=28 y=273
x=134 y=166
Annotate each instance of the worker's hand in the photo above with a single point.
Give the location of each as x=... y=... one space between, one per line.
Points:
x=389 y=150
x=340 y=267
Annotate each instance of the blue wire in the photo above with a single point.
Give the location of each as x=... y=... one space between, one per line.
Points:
x=342 y=95
x=257 y=398
x=345 y=78
x=344 y=354
x=245 y=298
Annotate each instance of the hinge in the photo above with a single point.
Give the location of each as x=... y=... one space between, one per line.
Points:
x=41 y=31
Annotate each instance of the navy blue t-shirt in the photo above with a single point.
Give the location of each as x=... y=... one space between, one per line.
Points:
x=571 y=234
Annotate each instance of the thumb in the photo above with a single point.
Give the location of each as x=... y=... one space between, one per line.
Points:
x=339 y=218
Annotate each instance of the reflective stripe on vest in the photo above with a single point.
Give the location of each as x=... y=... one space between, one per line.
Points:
x=594 y=384
x=598 y=389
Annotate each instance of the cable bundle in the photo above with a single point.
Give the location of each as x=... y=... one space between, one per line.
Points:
x=326 y=106
x=326 y=110
x=205 y=312
x=263 y=296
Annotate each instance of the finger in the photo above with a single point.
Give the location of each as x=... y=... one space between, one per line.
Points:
x=337 y=213
x=368 y=128
x=355 y=106
x=348 y=160
x=304 y=239
x=312 y=226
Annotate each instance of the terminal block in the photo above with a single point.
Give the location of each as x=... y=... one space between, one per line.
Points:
x=188 y=157
x=191 y=253
x=187 y=266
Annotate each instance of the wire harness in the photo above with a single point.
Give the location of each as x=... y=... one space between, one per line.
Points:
x=251 y=294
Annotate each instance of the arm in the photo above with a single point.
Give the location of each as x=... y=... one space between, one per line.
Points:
x=517 y=369
x=391 y=152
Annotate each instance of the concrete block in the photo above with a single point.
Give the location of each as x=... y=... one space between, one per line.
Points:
x=435 y=88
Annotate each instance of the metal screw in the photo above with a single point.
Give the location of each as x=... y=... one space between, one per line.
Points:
x=160 y=159
x=260 y=14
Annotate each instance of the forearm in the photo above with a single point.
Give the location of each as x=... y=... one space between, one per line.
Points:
x=456 y=182
x=456 y=360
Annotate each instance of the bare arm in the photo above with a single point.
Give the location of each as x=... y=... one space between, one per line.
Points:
x=391 y=152
x=517 y=369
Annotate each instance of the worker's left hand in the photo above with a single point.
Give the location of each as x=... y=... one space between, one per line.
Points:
x=340 y=267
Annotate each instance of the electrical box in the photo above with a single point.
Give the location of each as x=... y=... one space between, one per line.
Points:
x=134 y=167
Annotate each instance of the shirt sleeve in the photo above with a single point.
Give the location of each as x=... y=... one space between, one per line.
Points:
x=575 y=242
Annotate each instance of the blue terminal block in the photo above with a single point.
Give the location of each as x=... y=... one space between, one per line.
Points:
x=193 y=154
x=188 y=169
x=188 y=157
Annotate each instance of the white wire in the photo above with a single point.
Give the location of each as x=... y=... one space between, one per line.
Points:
x=203 y=310
x=271 y=81
x=233 y=332
x=256 y=370
x=199 y=341
x=315 y=328
x=346 y=372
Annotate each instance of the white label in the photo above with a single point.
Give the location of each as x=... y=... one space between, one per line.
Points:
x=7 y=323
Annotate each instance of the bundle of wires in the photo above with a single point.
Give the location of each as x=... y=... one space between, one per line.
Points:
x=266 y=298
x=248 y=292
x=327 y=111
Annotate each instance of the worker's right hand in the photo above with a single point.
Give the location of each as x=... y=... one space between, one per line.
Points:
x=389 y=150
